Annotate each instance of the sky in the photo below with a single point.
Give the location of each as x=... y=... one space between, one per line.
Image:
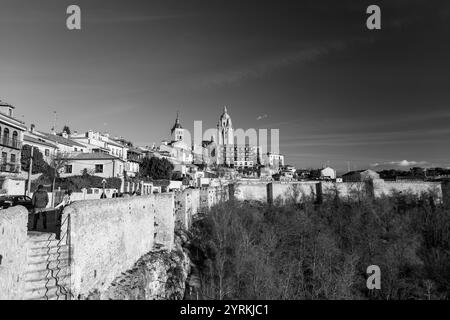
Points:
x=340 y=94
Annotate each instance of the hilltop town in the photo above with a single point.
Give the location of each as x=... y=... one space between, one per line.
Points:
x=123 y=167
x=161 y=235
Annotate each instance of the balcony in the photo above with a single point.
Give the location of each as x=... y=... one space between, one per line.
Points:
x=134 y=158
x=9 y=167
x=10 y=142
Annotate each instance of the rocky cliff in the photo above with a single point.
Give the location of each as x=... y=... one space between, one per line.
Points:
x=159 y=275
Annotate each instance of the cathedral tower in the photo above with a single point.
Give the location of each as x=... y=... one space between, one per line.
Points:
x=177 y=131
x=225 y=129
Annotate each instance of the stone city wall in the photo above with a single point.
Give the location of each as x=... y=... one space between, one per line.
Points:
x=295 y=191
x=345 y=190
x=109 y=236
x=382 y=187
x=251 y=191
x=13 y=252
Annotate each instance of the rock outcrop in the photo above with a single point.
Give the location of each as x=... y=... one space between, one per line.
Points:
x=159 y=275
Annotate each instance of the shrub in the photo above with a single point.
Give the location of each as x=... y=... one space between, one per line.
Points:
x=76 y=183
x=253 y=251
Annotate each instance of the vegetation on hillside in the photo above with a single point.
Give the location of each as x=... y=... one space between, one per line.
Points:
x=39 y=164
x=321 y=251
x=156 y=168
x=76 y=183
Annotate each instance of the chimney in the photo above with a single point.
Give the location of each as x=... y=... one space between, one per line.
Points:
x=32 y=128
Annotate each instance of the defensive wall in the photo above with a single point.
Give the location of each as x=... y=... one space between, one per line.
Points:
x=261 y=191
x=382 y=187
x=106 y=237
x=13 y=252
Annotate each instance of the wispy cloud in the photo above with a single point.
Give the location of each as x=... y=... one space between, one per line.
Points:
x=139 y=18
x=264 y=116
x=276 y=62
x=402 y=163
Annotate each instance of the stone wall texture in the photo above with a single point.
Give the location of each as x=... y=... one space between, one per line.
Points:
x=345 y=190
x=109 y=236
x=293 y=191
x=389 y=187
x=163 y=208
x=13 y=252
x=187 y=204
x=254 y=191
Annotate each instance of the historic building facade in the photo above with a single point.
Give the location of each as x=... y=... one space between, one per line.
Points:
x=11 y=139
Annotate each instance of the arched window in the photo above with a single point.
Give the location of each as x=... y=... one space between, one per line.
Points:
x=5 y=136
x=15 y=139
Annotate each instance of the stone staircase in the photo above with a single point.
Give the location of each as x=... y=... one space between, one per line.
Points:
x=48 y=274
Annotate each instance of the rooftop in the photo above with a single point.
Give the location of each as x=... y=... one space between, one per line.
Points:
x=5 y=104
x=92 y=156
x=28 y=138
x=61 y=140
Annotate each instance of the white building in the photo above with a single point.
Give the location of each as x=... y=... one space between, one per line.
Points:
x=102 y=143
x=96 y=164
x=63 y=144
x=328 y=173
x=275 y=161
x=11 y=138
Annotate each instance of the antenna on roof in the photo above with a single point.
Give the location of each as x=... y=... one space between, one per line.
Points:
x=54 y=122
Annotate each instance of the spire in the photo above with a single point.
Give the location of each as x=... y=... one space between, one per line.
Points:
x=177 y=124
x=225 y=109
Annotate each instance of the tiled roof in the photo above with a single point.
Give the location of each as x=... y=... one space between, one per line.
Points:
x=92 y=156
x=62 y=140
x=27 y=138
x=114 y=143
x=135 y=150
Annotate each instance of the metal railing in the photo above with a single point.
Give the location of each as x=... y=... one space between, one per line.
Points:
x=10 y=142
x=9 y=167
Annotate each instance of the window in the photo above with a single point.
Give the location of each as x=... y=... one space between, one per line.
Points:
x=15 y=139
x=5 y=135
x=76 y=149
x=13 y=158
x=98 y=168
x=47 y=152
x=68 y=168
